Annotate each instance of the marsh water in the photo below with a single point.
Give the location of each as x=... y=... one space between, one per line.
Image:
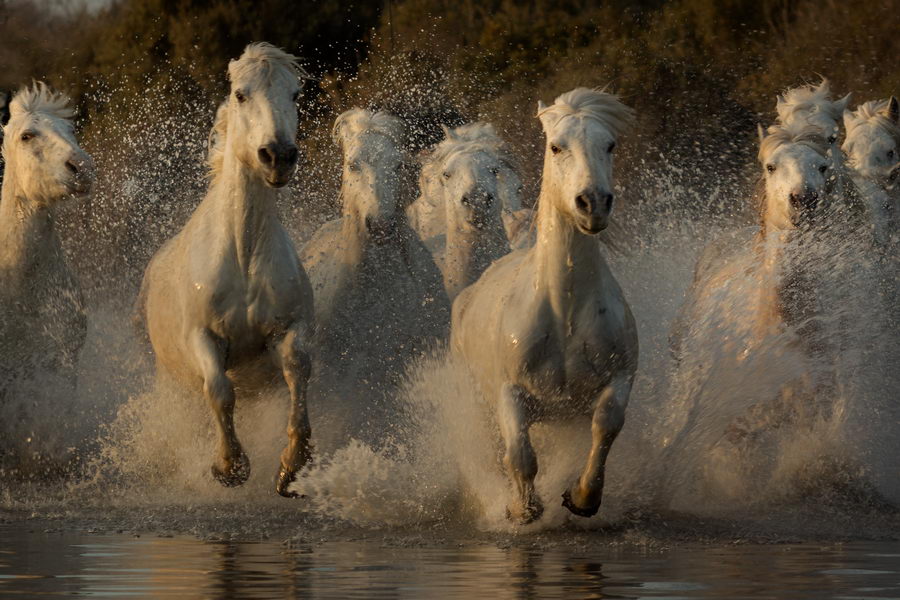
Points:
x=37 y=559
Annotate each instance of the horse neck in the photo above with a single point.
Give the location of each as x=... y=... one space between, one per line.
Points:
x=569 y=265
x=26 y=232
x=469 y=252
x=244 y=205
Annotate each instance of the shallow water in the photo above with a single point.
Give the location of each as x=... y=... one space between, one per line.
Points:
x=38 y=563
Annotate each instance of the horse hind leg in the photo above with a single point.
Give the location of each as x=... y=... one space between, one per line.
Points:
x=584 y=496
x=519 y=458
x=291 y=356
x=232 y=467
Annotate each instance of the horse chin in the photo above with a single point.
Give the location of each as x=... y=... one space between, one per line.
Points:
x=591 y=228
x=274 y=182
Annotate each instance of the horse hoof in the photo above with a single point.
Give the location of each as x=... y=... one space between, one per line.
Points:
x=237 y=475
x=285 y=479
x=528 y=515
x=577 y=510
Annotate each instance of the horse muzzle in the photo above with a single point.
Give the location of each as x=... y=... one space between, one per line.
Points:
x=279 y=160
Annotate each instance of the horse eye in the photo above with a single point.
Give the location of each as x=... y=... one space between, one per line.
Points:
x=353 y=167
x=27 y=136
x=239 y=95
x=823 y=168
x=495 y=171
x=555 y=149
x=770 y=168
x=296 y=96
x=446 y=175
x=890 y=155
x=832 y=139
x=612 y=146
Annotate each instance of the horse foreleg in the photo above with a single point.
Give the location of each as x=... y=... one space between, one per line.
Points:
x=292 y=357
x=232 y=467
x=520 y=460
x=584 y=496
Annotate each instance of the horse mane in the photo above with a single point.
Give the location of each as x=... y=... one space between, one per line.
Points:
x=802 y=133
x=39 y=98
x=268 y=58
x=215 y=144
x=594 y=104
x=357 y=121
x=875 y=113
x=470 y=138
x=807 y=98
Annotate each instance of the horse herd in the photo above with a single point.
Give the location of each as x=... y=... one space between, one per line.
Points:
x=532 y=306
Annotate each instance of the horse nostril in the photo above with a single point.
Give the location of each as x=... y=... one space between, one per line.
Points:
x=267 y=156
x=292 y=155
x=608 y=200
x=72 y=167
x=583 y=204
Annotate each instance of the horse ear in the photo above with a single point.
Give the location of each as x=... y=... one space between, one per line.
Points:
x=541 y=107
x=337 y=132
x=893 y=110
x=849 y=118
x=842 y=104
x=760 y=132
x=448 y=133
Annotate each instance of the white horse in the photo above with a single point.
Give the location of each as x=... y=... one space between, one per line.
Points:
x=41 y=307
x=227 y=299
x=428 y=214
x=812 y=105
x=379 y=296
x=547 y=332
x=462 y=177
x=758 y=284
x=873 y=151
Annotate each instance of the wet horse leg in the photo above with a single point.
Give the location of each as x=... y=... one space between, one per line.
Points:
x=584 y=496
x=520 y=460
x=291 y=355
x=232 y=467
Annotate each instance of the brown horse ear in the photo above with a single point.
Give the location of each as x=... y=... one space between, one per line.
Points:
x=893 y=111
x=760 y=132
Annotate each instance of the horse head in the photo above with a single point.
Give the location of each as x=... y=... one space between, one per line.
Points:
x=40 y=149
x=262 y=112
x=581 y=128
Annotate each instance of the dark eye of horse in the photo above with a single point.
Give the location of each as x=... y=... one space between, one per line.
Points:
x=555 y=149
x=612 y=146
x=832 y=139
x=296 y=96
x=446 y=175
x=27 y=136
x=495 y=171
x=770 y=168
x=823 y=168
x=890 y=155
x=239 y=95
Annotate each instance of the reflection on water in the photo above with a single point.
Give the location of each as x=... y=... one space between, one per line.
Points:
x=33 y=563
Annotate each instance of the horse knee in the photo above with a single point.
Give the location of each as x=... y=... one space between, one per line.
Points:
x=609 y=418
x=217 y=389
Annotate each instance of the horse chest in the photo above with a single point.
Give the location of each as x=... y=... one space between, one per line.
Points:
x=573 y=356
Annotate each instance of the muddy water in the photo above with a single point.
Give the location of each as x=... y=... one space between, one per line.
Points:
x=36 y=560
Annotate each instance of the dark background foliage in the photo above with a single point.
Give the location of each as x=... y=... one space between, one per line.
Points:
x=147 y=75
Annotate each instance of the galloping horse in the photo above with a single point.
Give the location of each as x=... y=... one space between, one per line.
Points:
x=547 y=332
x=227 y=299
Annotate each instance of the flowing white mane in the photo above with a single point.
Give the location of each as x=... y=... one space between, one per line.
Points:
x=780 y=135
x=216 y=142
x=808 y=98
x=267 y=59
x=39 y=98
x=357 y=121
x=591 y=104
x=875 y=113
x=470 y=138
